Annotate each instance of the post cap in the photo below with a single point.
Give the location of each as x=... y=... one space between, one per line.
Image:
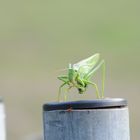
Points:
x=86 y=104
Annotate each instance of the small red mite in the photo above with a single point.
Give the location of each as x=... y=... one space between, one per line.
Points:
x=69 y=109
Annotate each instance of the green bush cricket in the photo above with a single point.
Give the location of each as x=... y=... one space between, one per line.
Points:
x=79 y=75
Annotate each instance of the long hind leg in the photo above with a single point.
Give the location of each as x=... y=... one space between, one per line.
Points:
x=101 y=64
x=103 y=78
x=96 y=88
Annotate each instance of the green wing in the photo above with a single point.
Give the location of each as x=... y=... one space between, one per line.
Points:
x=85 y=66
x=92 y=71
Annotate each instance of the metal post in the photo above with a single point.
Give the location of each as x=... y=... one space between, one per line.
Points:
x=105 y=119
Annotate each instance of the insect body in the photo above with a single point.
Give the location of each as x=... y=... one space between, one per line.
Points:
x=80 y=73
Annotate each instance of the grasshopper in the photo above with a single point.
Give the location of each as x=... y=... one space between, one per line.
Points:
x=79 y=75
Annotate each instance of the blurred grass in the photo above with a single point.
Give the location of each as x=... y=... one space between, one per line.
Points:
x=37 y=38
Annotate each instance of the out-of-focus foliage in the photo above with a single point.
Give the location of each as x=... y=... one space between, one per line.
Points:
x=38 y=38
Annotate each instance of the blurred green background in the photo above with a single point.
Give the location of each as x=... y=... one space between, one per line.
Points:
x=38 y=38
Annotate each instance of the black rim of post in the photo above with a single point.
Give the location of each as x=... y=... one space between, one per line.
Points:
x=86 y=104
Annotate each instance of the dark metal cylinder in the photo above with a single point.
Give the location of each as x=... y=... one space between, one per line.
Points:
x=104 y=119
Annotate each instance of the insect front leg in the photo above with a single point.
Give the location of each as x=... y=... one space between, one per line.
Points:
x=80 y=81
x=81 y=85
x=63 y=78
x=59 y=93
x=66 y=81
